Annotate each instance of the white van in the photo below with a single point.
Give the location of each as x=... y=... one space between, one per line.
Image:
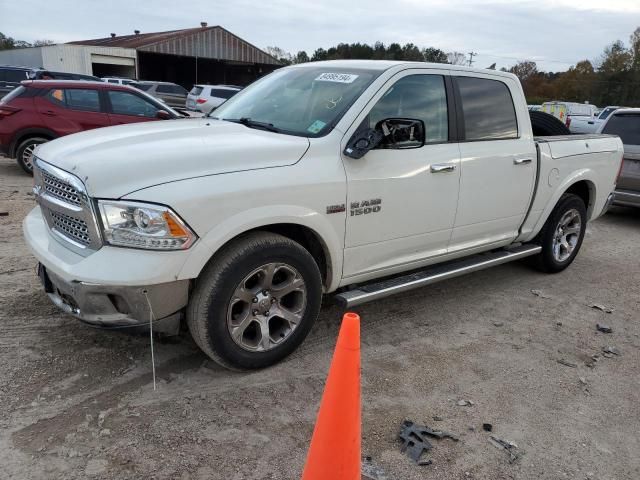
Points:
x=576 y=116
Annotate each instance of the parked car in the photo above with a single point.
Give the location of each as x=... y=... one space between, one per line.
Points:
x=170 y=93
x=40 y=110
x=601 y=117
x=10 y=77
x=206 y=98
x=575 y=115
x=626 y=124
x=119 y=80
x=319 y=178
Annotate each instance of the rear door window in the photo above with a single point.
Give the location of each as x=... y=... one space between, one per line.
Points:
x=225 y=93
x=172 y=89
x=196 y=91
x=627 y=127
x=75 y=99
x=126 y=103
x=488 y=110
x=13 y=75
x=144 y=86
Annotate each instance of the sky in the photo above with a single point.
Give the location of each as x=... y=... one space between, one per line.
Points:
x=554 y=33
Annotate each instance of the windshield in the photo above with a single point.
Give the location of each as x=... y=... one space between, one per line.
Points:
x=305 y=101
x=606 y=112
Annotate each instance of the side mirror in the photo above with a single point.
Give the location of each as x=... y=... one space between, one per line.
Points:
x=401 y=133
x=363 y=141
x=163 y=115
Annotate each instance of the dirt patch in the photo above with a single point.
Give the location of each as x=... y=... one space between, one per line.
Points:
x=77 y=402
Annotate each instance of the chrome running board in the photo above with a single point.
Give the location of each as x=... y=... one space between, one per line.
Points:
x=437 y=273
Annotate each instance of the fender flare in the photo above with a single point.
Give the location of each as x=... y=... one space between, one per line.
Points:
x=28 y=132
x=583 y=174
x=258 y=217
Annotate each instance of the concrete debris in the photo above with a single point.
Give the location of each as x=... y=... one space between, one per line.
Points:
x=566 y=363
x=604 y=328
x=510 y=447
x=415 y=442
x=602 y=308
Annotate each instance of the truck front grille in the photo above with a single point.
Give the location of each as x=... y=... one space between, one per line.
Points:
x=66 y=208
x=61 y=190
x=73 y=228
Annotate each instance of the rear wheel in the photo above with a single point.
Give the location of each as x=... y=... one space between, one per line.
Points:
x=562 y=234
x=24 y=152
x=255 y=302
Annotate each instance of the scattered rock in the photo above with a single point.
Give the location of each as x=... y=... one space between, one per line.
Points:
x=602 y=308
x=610 y=351
x=436 y=418
x=559 y=324
x=464 y=403
x=566 y=363
x=583 y=380
x=510 y=447
x=604 y=328
x=498 y=324
x=538 y=293
x=101 y=418
x=105 y=432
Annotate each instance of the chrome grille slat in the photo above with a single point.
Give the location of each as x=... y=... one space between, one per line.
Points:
x=66 y=208
x=59 y=189
x=73 y=228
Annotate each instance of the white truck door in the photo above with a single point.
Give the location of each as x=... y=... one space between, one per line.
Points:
x=401 y=203
x=498 y=161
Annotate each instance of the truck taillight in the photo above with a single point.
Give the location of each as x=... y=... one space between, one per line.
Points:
x=201 y=100
x=568 y=123
x=619 y=169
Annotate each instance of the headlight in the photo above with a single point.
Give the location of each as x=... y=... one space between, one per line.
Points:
x=143 y=225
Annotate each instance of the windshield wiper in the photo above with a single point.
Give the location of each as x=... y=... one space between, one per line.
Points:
x=246 y=121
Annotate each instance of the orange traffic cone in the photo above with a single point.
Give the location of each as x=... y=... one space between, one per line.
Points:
x=334 y=453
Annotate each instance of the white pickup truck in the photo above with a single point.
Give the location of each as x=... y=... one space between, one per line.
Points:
x=359 y=179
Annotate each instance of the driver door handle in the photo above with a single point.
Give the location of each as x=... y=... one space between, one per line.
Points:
x=442 y=167
x=522 y=161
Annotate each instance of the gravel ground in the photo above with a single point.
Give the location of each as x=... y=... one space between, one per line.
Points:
x=77 y=402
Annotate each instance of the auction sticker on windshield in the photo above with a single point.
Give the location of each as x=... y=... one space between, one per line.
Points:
x=336 y=77
x=316 y=126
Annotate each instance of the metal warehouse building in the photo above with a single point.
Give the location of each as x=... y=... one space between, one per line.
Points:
x=206 y=54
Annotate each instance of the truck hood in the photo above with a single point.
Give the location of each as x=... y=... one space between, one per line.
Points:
x=115 y=161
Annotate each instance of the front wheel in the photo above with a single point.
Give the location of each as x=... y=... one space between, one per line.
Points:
x=255 y=302
x=562 y=234
x=24 y=153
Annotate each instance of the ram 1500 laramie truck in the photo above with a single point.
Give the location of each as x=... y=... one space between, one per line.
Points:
x=354 y=178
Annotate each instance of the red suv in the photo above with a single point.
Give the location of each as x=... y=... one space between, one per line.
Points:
x=41 y=110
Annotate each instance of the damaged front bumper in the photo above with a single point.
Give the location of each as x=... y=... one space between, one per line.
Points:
x=115 y=305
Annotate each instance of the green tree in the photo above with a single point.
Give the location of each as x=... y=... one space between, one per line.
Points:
x=434 y=55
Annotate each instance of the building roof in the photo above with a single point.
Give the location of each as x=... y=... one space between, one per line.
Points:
x=206 y=42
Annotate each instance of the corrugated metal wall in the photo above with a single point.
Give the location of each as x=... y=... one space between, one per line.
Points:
x=77 y=58
x=214 y=43
x=22 y=57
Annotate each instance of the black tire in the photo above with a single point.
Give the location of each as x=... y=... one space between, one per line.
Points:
x=215 y=290
x=24 y=162
x=545 y=125
x=546 y=261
